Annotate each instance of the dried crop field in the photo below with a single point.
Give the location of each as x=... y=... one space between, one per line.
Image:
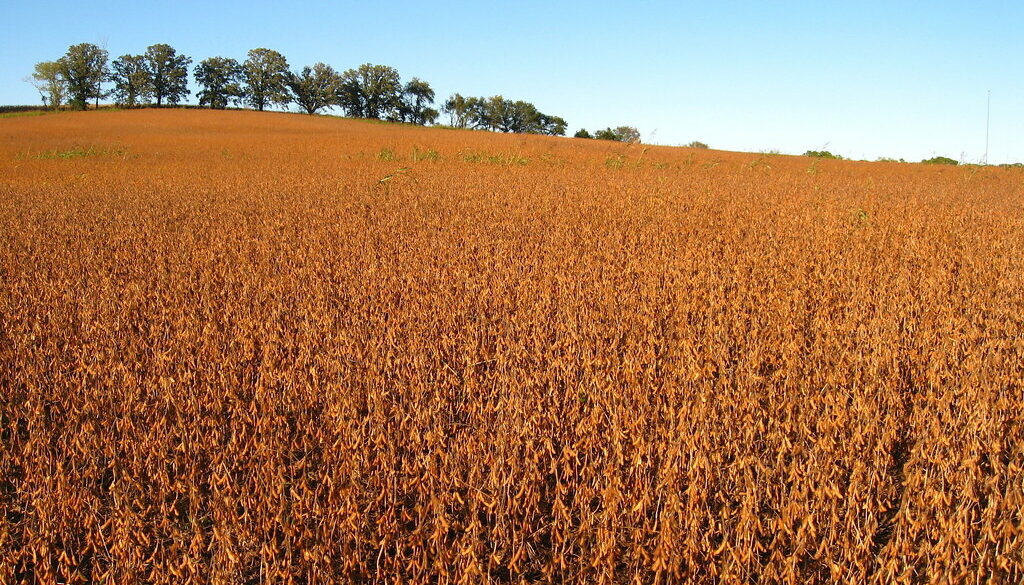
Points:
x=270 y=348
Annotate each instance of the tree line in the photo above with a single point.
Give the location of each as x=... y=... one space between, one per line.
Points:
x=499 y=114
x=619 y=134
x=160 y=76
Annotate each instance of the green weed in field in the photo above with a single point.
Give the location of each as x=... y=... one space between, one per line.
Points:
x=82 y=151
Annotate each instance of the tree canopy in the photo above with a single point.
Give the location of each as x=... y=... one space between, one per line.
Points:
x=84 y=69
x=315 y=87
x=416 y=101
x=49 y=79
x=264 y=80
x=371 y=91
x=132 y=82
x=168 y=74
x=940 y=160
x=221 y=80
x=619 y=134
x=500 y=114
x=462 y=111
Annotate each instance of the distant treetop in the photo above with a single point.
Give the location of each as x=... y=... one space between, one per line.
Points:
x=940 y=160
x=619 y=134
x=822 y=154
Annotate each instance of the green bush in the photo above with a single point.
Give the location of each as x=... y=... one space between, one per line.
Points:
x=619 y=134
x=822 y=154
x=940 y=160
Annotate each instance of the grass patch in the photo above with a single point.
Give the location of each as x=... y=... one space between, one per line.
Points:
x=509 y=159
x=82 y=151
x=29 y=113
x=615 y=162
x=429 y=154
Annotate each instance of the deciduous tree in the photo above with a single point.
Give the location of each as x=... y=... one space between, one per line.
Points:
x=371 y=91
x=498 y=113
x=349 y=95
x=627 y=134
x=552 y=125
x=266 y=79
x=315 y=87
x=619 y=134
x=168 y=73
x=48 y=78
x=417 y=98
x=220 y=79
x=84 y=68
x=132 y=82
x=461 y=111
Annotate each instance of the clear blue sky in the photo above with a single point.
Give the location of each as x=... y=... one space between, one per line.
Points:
x=863 y=79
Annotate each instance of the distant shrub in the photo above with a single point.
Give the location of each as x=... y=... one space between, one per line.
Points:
x=615 y=162
x=889 y=160
x=627 y=134
x=18 y=109
x=696 y=144
x=619 y=134
x=80 y=151
x=582 y=133
x=822 y=154
x=940 y=160
x=25 y=113
x=429 y=154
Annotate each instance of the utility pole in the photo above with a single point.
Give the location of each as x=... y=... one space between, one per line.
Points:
x=988 y=121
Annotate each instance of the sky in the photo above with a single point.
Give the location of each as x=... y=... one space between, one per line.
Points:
x=865 y=79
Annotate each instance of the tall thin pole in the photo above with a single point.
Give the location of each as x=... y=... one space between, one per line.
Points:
x=988 y=121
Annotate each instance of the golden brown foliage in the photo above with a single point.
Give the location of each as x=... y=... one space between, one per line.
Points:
x=245 y=348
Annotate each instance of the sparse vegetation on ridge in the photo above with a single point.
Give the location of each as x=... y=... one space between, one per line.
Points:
x=264 y=80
